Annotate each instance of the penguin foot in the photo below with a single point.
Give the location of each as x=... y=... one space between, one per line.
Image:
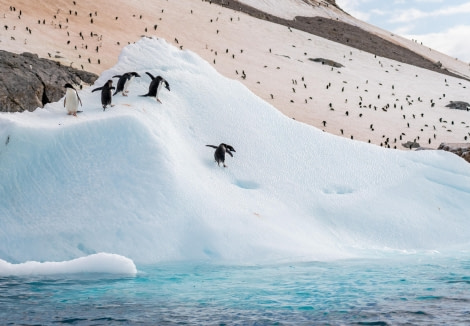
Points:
x=75 y=114
x=159 y=101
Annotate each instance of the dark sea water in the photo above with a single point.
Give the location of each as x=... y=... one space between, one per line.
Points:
x=412 y=290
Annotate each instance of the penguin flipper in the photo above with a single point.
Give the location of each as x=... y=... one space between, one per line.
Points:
x=230 y=148
x=97 y=89
x=150 y=75
x=212 y=146
x=167 y=86
x=79 y=100
x=117 y=76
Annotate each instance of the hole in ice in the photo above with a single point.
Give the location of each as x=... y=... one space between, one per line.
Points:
x=246 y=184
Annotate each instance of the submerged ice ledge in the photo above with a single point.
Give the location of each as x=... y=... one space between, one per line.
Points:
x=96 y=263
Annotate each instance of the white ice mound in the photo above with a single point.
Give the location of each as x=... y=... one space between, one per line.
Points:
x=97 y=263
x=138 y=180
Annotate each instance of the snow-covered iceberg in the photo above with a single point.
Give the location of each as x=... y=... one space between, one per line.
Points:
x=137 y=180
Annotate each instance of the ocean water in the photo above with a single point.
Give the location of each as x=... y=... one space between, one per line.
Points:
x=404 y=290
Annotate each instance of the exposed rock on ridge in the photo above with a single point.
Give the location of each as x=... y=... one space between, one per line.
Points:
x=344 y=33
x=458 y=105
x=327 y=62
x=28 y=82
x=462 y=150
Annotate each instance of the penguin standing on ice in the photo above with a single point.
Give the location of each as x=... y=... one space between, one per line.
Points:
x=219 y=154
x=156 y=85
x=71 y=100
x=124 y=82
x=106 y=93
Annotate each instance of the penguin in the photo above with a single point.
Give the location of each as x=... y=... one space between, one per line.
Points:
x=156 y=85
x=219 y=154
x=106 y=93
x=71 y=100
x=124 y=82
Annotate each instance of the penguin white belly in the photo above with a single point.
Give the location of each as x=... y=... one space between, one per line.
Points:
x=127 y=83
x=158 y=89
x=71 y=101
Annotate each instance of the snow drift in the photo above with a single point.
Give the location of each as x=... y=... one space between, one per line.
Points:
x=137 y=180
x=97 y=263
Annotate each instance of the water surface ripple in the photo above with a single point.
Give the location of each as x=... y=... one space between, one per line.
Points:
x=417 y=290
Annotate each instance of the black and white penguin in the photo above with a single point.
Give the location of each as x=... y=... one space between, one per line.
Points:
x=124 y=82
x=219 y=154
x=71 y=100
x=106 y=93
x=155 y=86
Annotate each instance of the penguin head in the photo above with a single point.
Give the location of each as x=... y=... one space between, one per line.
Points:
x=229 y=148
x=110 y=83
x=135 y=74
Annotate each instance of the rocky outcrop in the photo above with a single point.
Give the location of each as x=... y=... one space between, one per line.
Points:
x=462 y=149
x=28 y=82
x=324 y=2
x=411 y=144
x=333 y=2
x=327 y=62
x=344 y=33
x=458 y=105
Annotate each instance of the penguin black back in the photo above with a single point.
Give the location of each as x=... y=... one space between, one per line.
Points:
x=106 y=93
x=155 y=86
x=219 y=154
x=124 y=82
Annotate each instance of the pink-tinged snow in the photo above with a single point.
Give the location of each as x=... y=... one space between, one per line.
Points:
x=275 y=61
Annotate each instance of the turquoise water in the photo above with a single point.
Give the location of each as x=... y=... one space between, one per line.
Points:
x=412 y=290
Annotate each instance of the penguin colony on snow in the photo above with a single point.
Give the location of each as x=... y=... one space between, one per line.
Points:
x=72 y=100
x=353 y=107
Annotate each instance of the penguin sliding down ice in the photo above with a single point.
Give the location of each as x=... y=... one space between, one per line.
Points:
x=156 y=85
x=71 y=100
x=124 y=82
x=106 y=93
x=219 y=154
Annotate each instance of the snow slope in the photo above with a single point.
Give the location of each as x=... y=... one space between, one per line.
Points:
x=289 y=9
x=138 y=180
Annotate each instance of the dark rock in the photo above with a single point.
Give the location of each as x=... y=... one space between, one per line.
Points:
x=460 y=149
x=459 y=105
x=411 y=144
x=344 y=33
x=28 y=82
x=327 y=62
